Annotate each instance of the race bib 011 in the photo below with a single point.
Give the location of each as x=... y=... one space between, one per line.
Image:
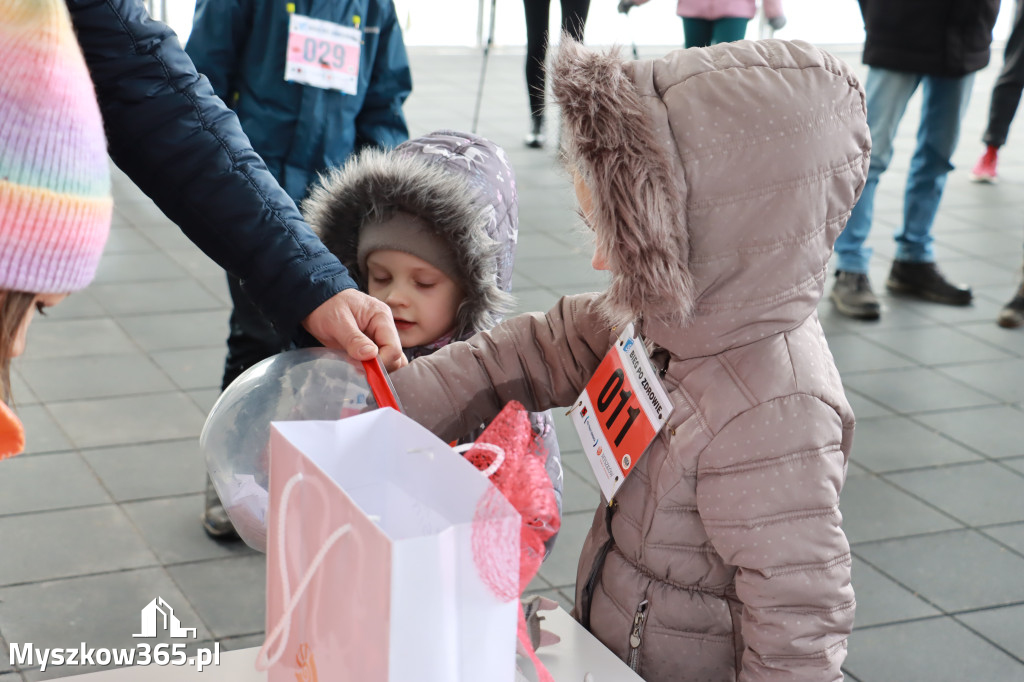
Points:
x=619 y=413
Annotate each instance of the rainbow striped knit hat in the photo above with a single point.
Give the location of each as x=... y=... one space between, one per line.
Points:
x=55 y=203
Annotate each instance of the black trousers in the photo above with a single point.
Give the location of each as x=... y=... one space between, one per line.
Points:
x=251 y=337
x=574 y=19
x=1007 y=90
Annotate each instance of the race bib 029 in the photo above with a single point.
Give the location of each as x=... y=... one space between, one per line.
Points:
x=323 y=54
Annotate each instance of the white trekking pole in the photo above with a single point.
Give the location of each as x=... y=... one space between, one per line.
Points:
x=764 y=29
x=624 y=7
x=483 y=68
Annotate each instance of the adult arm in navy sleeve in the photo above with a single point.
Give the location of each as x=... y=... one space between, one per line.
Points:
x=171 y=134
x=381 y=122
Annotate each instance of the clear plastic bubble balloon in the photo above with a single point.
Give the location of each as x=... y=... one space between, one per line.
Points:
x=296 y=385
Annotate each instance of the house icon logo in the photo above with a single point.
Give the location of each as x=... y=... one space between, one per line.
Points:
x=157 y=616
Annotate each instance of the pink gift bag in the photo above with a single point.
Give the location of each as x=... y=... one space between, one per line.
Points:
x=390 y=558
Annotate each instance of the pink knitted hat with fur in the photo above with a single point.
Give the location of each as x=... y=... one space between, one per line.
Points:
x=55 y=203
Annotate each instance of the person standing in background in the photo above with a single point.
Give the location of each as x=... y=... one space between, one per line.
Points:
x=1005 y=99
x=574 y=21
x=937 y=46
x=311 y=81
x=1003 y=107
x=178 y=142
x=709 y=22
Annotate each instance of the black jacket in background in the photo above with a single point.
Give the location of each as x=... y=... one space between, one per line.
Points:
x=948 y=38
x=177 y=141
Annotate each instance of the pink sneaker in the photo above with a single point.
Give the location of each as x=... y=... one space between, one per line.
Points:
x=985 y=169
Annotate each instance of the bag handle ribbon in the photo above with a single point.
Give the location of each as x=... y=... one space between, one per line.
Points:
x=281 y=631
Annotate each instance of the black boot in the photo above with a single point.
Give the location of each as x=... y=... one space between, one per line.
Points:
x=924 y=281
x=535 y=138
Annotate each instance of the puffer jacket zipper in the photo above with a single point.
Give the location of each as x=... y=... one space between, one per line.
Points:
x=583 y=603
x=636 y=636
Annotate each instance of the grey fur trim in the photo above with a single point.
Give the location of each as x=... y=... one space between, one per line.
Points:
x=639 y=213
x=370 y=187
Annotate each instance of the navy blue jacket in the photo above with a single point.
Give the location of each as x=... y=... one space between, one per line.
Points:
x=183 y=147
x=300 y=130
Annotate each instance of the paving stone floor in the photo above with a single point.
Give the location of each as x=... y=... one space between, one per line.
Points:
x=102 y=513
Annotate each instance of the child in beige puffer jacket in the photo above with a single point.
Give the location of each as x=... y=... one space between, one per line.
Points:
x=716 y=181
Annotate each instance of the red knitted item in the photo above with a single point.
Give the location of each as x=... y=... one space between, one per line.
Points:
x=523 y=480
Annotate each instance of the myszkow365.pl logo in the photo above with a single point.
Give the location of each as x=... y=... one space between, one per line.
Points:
x=157 y=618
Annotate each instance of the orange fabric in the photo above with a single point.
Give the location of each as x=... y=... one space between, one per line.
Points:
x=12 y=435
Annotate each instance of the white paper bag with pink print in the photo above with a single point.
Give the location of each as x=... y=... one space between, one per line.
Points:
x=390 y=558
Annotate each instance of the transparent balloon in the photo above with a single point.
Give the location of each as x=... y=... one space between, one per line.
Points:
x=296 y=385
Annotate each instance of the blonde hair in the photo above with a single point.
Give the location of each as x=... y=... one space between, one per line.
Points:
x=13 y=307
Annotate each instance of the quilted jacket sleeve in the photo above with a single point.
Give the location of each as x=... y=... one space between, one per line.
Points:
x=381 y=122
x=540 y=360
x=183 y=147
x=768 y=492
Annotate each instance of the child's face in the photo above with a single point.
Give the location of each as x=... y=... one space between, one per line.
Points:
x=41 y=301
x=422 y=299
x=586 y=200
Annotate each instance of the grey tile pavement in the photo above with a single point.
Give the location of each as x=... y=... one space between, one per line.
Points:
x=101 y=514
x=932 y=650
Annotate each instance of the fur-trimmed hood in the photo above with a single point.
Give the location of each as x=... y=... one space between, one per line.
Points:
x=720 y=177
x=460 y=184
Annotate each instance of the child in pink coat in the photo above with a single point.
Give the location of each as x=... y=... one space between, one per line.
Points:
x=709 y=22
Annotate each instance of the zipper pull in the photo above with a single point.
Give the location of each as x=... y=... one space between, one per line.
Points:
x=638 y=625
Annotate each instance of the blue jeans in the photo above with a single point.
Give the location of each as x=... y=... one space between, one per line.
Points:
x=943 y=108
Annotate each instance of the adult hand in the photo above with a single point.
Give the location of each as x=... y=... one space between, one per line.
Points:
x=625 y=6
x=360 y=325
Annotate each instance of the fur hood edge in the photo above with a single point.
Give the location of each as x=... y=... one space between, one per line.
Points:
x=374 y=185
x=640 y=213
